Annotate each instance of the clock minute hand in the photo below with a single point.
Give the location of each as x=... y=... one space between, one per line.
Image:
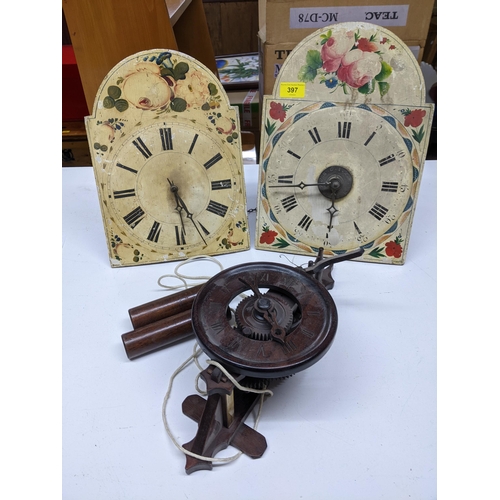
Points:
x=300 y=185
x=178 y=205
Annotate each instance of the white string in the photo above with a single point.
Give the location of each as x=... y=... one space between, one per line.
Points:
x=182 y=277
x=194 y=357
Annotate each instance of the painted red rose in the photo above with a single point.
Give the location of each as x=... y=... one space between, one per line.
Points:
x=366 y=46
x=415 y=118
x=277 y=112
x=268 y=237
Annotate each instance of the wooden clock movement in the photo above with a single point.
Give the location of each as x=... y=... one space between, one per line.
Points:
x=344 y=139
x=166 y=153
x=257 y=322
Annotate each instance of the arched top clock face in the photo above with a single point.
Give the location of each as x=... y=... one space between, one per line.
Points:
x=298 y=330
x=353 y=62
x=172 y=187
x=166 y=151
x=338 y=177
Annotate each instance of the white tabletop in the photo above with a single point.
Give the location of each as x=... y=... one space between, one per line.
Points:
x=359 y=424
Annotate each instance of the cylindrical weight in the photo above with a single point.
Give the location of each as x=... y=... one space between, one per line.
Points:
x=157 y=335
x=163 y=308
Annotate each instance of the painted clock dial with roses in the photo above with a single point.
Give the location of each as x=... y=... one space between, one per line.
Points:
x=167 y=159
x=341 y=163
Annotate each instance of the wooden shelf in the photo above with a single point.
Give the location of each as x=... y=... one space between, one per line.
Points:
x=106 y=31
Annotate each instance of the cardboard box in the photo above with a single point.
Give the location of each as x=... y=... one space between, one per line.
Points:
x=272 y=56
x=287 y=21
x=247 y=102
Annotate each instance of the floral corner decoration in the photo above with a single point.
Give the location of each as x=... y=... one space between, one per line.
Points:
x=414 y=119
x=392 y=249
x=350 y=62
x=277 y=111
x=269 y=237
x=233 y=239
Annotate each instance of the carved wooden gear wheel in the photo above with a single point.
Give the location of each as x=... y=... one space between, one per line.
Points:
x=293 y=337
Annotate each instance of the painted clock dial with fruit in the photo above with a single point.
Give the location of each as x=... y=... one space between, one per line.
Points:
x=167 y=161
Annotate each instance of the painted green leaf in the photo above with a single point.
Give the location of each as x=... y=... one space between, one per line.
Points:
x=180 y=70
x=307 y=74
x=178 y=104
x=121 y=105
x=313 y=59
x=378 y=252
x=114 y=92
x=281 y=243
x=270 y=127
x=383 y=87
x=367 y=88
x=108 y=102
x=385 y=72
x=212 y=88
x=418 y=135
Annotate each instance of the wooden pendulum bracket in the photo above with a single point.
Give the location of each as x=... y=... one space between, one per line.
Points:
x=220 y=421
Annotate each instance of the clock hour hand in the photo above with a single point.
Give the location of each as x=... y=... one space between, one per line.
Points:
x=334 y=185
x=178 y=205
x=182 y=206
x=264 y=306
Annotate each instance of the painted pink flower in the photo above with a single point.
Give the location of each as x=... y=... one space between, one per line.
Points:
x=334 y=49
x=366 y=46
x=359 y=67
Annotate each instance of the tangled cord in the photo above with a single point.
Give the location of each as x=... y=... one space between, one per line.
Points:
x=194 y=358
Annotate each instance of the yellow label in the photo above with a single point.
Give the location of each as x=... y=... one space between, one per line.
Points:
x=293 y=89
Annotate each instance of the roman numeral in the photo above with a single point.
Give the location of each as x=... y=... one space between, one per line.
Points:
x=217 y=327
x=289 y=346
x=285 y=179
x=139 y=144
x=378 y=211
x=289 y=203
x=133 y=218
x=166 y=139
x=390 y=187
x=213 y=161
x=222 y=184
x=290 y=152
x=307 y=333
x=386 y=160
x=126 y=193
x=344 y=130
x=179 y=236
x=217 y=208
x=372 y=135
x=305 y=222
x=154 y=232
x=126 y=168
x=314 y=135
x=195 y=138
